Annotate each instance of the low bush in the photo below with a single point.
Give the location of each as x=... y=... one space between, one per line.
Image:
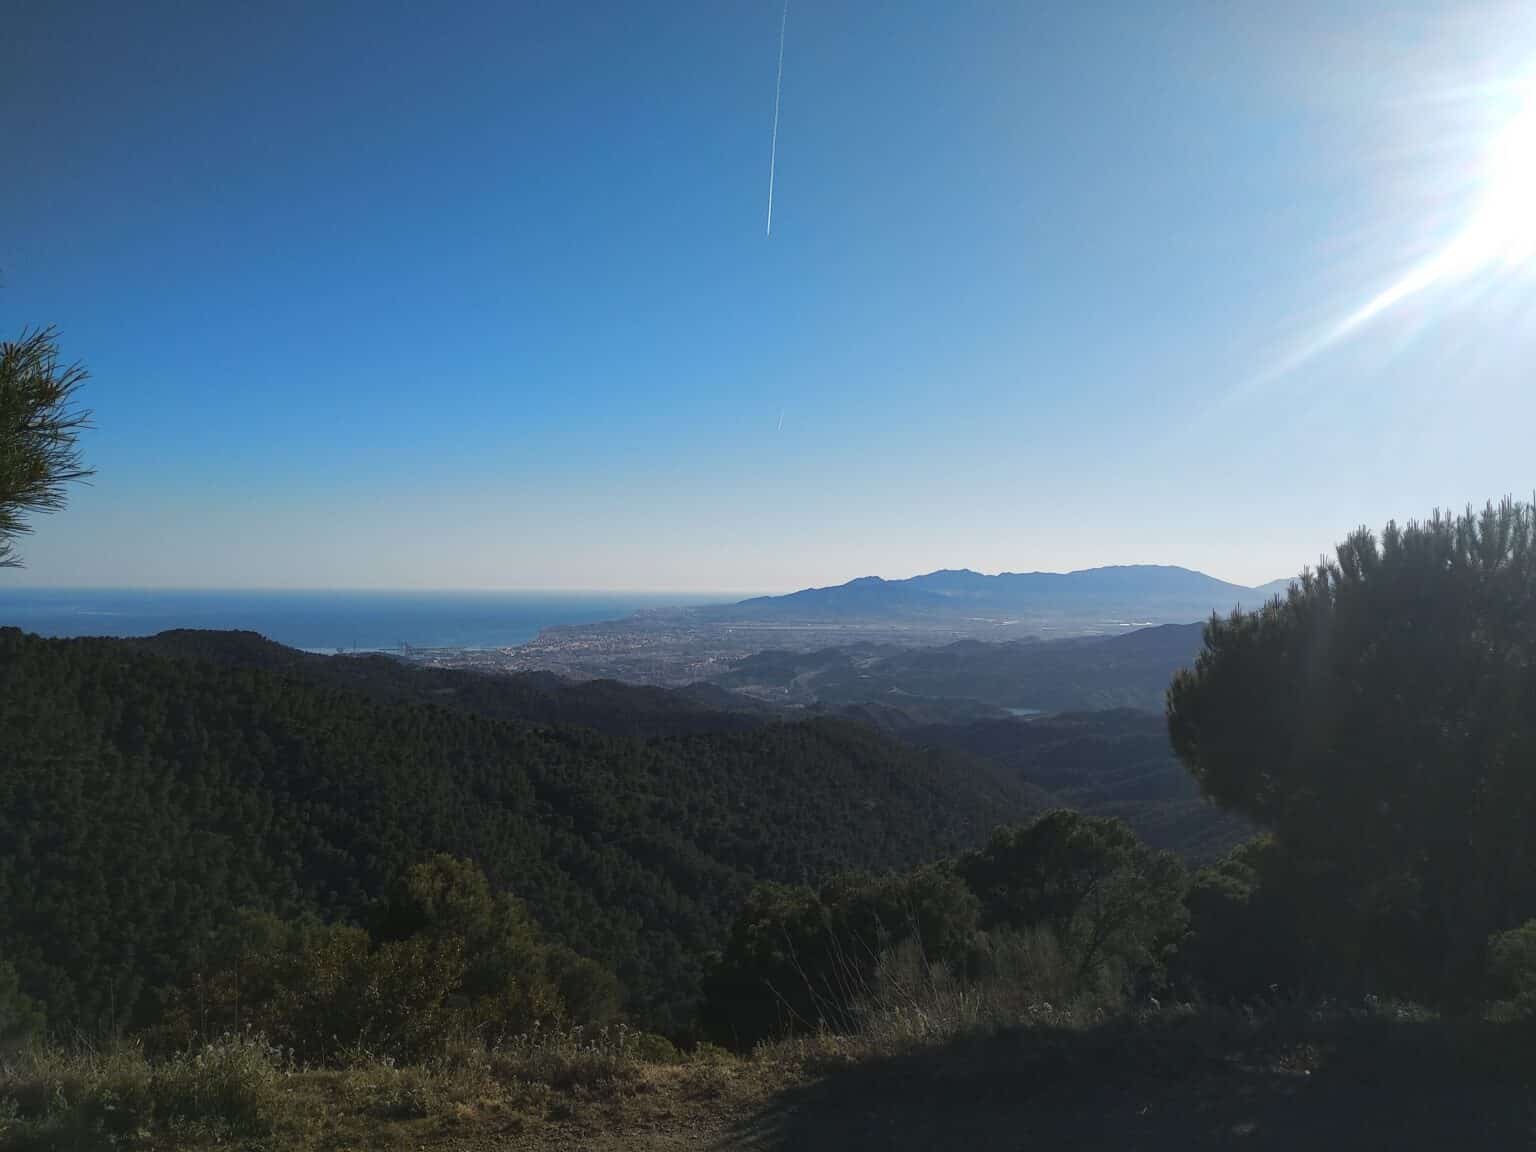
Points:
x=567 y=1058
x=234 y=1082
x=75 y=1097
x=21 y=1017
x=1512 y=967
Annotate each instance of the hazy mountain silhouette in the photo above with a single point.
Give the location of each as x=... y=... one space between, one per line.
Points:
x=1141 y=592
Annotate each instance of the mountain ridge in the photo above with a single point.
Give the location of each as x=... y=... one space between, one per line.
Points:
x=970 y=677
x=1169 y=593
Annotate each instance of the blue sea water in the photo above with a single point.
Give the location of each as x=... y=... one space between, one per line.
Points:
x=326 y=621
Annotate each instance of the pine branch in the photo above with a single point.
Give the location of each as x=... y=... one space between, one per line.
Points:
x=39 y=426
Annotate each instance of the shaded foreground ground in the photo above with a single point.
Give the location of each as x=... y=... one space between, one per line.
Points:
x=1170 y=1081
x=1193 y=1083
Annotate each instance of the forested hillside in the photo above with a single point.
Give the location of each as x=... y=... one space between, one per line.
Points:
x=531 y=697
x=394 y=906
x=1111 y=763
x=145 y=796
x=972 y=678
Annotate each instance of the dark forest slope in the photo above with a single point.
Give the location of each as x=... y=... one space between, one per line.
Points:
x=1109 y=763
x=1130 y=670
x=144 y=794
x=530 y=697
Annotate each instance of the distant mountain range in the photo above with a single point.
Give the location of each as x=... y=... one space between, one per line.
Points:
x=680 y=646
x=1133 y=593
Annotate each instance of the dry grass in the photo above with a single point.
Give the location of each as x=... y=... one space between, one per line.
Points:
x=553 y=1087
x=910 y=1002
x=936 y=1059
x=564 y=1059
x=240 y=1091
x=87 y=1097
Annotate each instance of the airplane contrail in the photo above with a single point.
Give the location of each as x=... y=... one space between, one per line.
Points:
x=781 y=419
x=778 y=92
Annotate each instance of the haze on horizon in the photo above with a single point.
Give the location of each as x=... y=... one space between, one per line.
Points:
x=376 y=296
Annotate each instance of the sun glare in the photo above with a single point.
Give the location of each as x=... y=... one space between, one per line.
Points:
x=1503 y=228
x=1500 y=232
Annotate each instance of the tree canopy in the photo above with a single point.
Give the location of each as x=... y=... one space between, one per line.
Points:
x=1106 y=896
x=39 y=425
x=1380 y=719
x=1107 y=909
x=145 y=797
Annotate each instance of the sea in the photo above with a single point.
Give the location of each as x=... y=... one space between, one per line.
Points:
x=329 y=621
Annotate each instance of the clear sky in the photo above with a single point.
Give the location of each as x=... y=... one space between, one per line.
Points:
x=478 y=295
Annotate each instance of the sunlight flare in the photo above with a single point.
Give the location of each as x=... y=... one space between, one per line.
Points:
x=1500 y=233
x=1503 y=229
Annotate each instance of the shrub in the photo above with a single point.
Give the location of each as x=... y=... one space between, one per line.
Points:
x=85 y=1096
x=448 y=957
x=234 y=1082
x=1512 y=966
x=912 y=1000
x=1112 y=903
x=120 y=1100
x=1241 y=941
x=504 y=985
x=649 y=1048
x=797 y=959
x=567 y=1058
x=390 y=1092
x=587 y=992
x=1020 y=970
x=21 y=1018
x=82 y=1089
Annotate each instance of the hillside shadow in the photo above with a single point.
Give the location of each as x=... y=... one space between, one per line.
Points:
x=1198 y=1083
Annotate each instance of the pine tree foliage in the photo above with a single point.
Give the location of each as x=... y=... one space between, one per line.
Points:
x=145 y=798
x=1381 y=721
x=39 y=426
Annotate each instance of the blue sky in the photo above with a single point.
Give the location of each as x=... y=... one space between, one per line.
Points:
x=478 y=295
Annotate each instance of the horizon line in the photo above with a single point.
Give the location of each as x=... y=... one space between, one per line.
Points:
x=380 y=590
x=745 y=593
